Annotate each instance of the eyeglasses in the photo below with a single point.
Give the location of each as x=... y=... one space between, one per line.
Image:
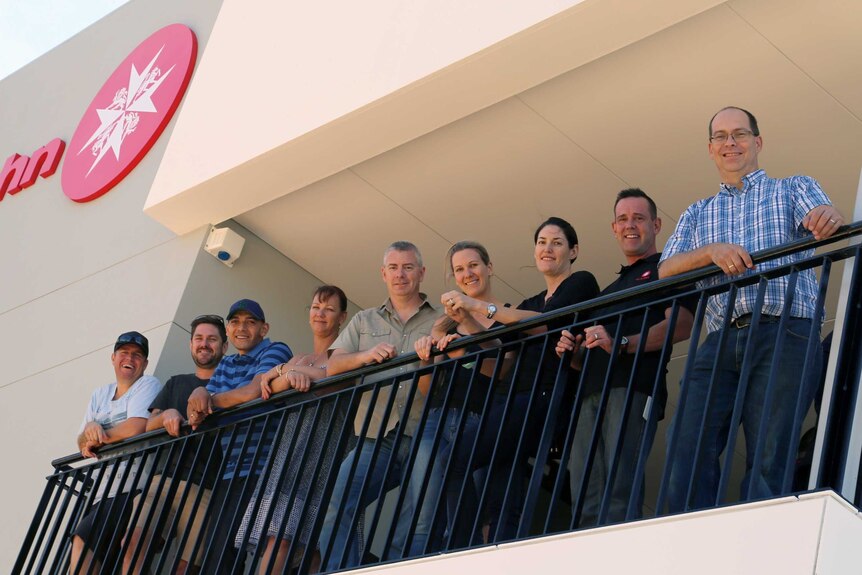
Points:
x=209 y=318
x=737 y=135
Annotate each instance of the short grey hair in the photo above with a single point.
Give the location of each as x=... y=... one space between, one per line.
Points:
x=403 y=246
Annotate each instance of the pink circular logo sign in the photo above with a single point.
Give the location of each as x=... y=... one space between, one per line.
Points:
x=129 y=113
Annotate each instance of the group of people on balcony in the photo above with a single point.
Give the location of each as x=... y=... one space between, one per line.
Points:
x=488 y=403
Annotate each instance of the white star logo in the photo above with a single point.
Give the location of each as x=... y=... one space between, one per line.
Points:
x=121 y=118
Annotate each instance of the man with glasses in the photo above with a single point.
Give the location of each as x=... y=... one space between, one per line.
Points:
x=208 y=345
x=116 y=412
x=750 y=212
x=236 y=380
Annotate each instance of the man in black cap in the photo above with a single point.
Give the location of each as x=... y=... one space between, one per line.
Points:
x=237 y=380
x=116 y=412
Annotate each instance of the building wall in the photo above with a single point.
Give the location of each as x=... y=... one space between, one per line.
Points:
x=77 y=275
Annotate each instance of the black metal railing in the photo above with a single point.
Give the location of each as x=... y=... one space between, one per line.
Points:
x=511 y=443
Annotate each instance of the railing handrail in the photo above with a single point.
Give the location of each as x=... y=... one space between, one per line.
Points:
x=675 y=283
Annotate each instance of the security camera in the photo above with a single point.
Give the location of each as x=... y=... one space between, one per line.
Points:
x=225 y=244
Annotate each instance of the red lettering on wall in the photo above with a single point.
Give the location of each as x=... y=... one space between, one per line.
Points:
x=13 y=171
x=20 y=172
x=44 y=162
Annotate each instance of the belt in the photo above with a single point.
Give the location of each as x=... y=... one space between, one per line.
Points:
x=745 y=320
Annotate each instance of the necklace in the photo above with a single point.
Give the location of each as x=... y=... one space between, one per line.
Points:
x=312 y=359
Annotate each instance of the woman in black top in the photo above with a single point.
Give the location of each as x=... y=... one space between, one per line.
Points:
x=556 y=249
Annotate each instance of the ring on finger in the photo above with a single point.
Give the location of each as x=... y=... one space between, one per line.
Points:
x=450 y=301
x=833 y=221
x=731 y=267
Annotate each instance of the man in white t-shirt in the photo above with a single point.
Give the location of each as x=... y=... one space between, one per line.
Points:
x=116 y=412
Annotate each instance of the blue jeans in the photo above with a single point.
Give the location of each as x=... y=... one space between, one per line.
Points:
x=449 y=421
x=346 y=528
x=498 y=477
x=636 y=432
x=780 y=419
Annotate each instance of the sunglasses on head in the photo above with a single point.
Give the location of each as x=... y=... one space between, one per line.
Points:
x=209 y=318
x=131 y=338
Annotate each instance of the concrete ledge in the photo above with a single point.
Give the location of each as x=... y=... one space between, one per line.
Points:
x=813 y=533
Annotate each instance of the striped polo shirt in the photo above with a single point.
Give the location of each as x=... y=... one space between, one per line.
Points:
x=235 y=371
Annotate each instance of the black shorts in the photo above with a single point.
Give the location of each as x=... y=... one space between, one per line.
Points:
x=112 y=513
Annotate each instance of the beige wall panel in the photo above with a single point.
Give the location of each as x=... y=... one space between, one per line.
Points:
x=536 y=172
x=812 y=34
x=311 y=222
x=282 y=287
x=655 y=98
x=337 y=107
x=140 y=293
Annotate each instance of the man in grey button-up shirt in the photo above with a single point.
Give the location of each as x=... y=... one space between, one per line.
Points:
x=376 y=335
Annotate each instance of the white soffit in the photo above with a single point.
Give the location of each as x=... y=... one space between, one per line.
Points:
x=286 y=95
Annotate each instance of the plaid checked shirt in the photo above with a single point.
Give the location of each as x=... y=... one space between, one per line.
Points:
x=764 y=214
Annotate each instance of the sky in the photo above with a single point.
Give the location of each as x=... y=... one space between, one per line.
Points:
x=29 y=28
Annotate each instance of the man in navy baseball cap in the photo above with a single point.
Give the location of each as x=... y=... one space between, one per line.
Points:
x=249 y=306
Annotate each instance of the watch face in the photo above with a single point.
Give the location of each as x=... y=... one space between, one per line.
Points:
x=492 y=309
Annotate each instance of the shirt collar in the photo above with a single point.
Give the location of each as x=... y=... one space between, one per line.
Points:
x=653 y=258
x=748 y=180
x=386 y=308
x=255 y=351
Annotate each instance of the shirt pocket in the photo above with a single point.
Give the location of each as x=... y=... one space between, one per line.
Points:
x=370 y=338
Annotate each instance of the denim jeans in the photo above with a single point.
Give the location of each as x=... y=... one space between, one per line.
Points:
x=780 y=416
x=636 y=432
x=503 y=522
x=346 y=529
x=448 y=420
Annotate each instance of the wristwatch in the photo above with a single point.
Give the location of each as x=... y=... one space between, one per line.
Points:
x=492 y=309
x=624 y=345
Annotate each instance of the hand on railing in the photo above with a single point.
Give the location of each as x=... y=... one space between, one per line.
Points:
x=281 y=378
x=822 y=221
x=91 y=437
x=426 y=344
x=172 y=421
x=380 y=353
x=597 y=336
x=199 y=407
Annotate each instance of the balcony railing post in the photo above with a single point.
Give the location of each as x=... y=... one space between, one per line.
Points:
x=544 y=446
x=837 y=456
x=651 y=423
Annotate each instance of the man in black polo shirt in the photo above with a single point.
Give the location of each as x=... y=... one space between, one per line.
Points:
x=168 y=410
x=635 y=227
